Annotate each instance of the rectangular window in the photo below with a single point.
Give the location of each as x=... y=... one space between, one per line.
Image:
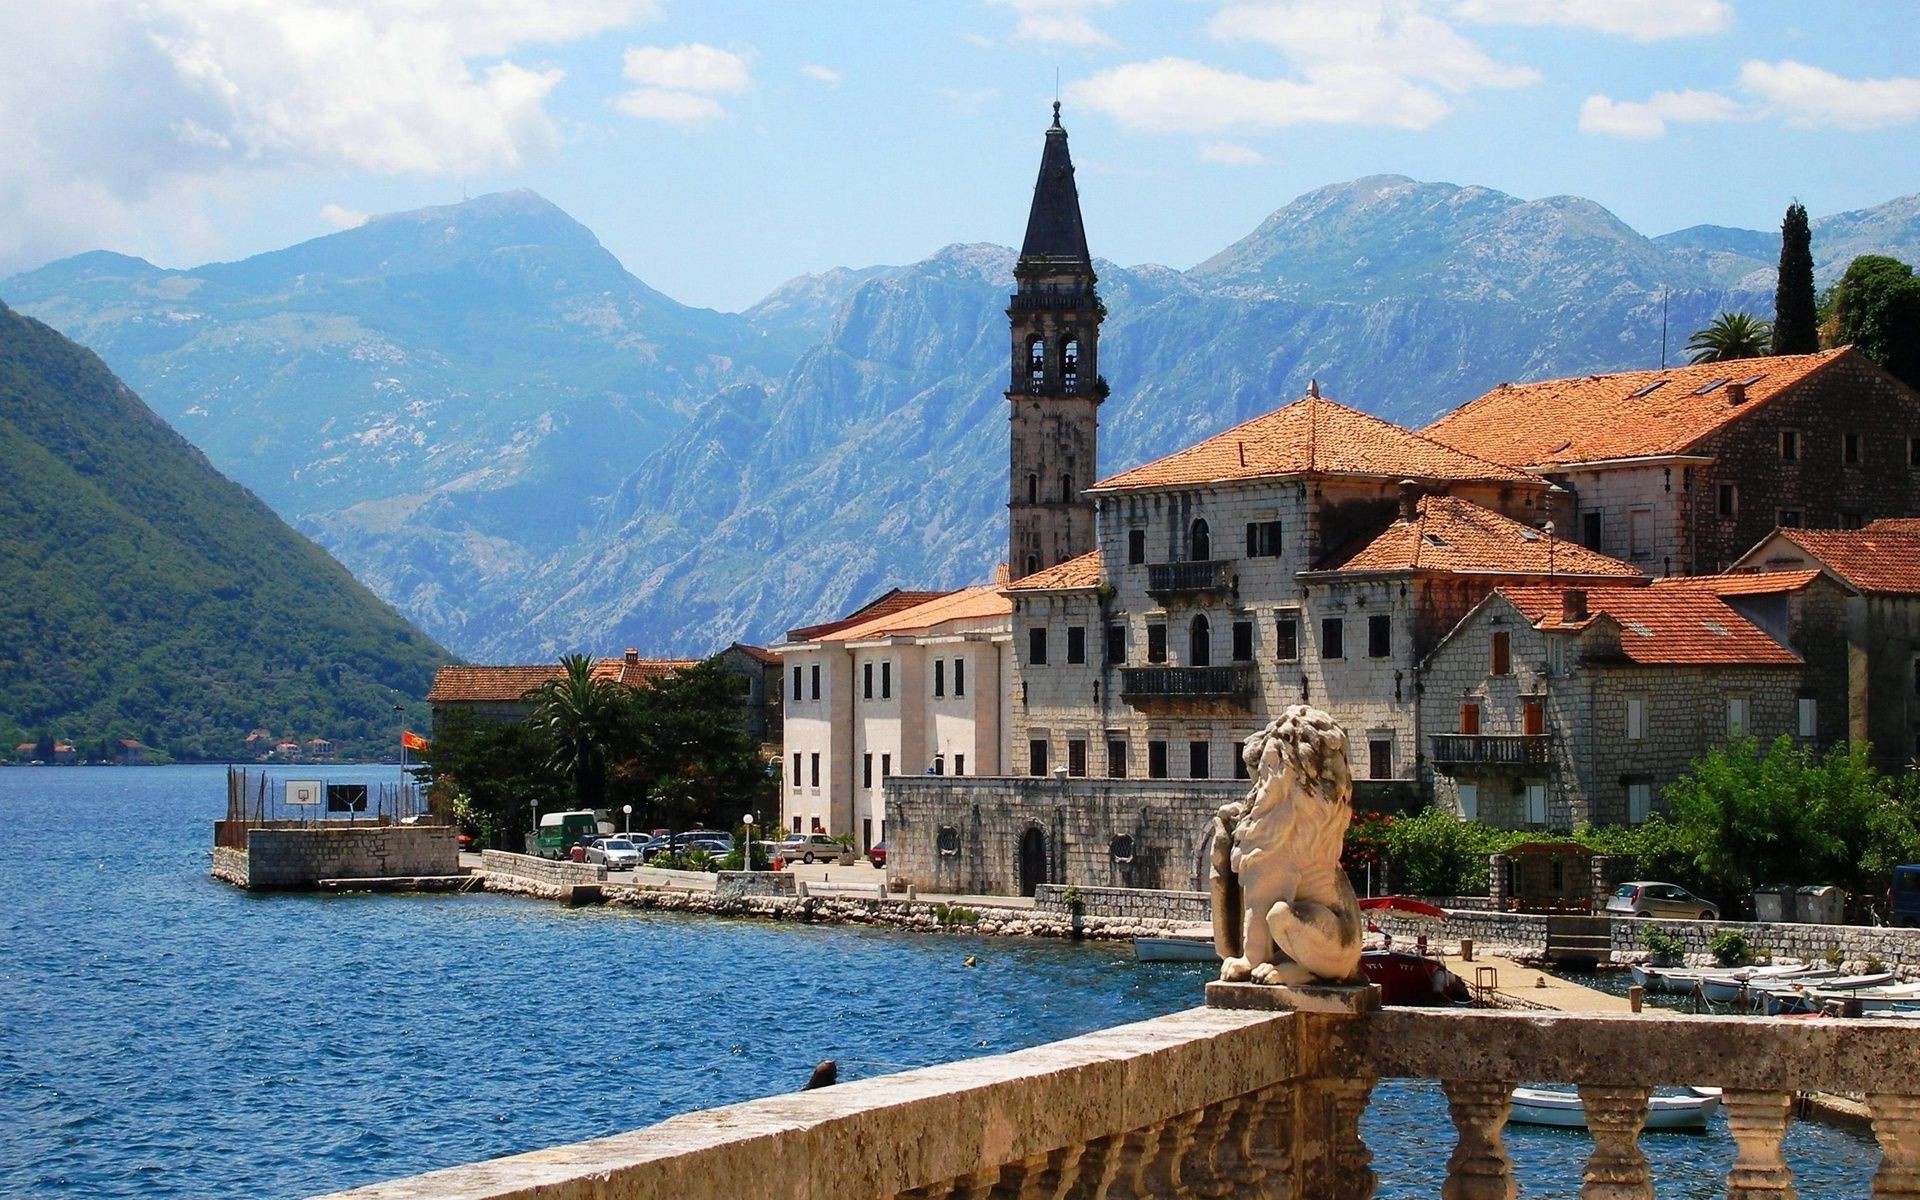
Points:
x=1380 y=758
x=1037 y=757
x=959 y=676
x=1036 y=647
x=886 y=766
x=1239 y=762
x=796 y=820
x=1533 y=718
x=1787 y=518
x=866 y=834
x=796 y=765
x=1639 y=802
x=939 y=676
x=1536 y=804
x=796 y=682
x=1736 y=715
x=1243 y=641
x=866 y=681
x=813 y=769
x=1136 y=546
x=1263 y=539
x=886 y=680
x=1156 y=760
x=1333 y=637
x=866 y=770
x=1809 y=713
x=1590 y=530
x=1077 y=757
x=1379 y=636
x=959 y=764
x=1116 y=643
x=1789 y=445
x=1850 y=449
x=1286 y=636
x=1076 y=644
x=1199 y=760
x=1729 y=500
x=1116 y=758
x=1469 y=802
x=1470 y=718
x=1636 y=719
x=816 y=681
x=1913 y=451
x=1156 y=643
x=1501 y=659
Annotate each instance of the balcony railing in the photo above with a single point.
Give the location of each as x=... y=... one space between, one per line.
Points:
x=1493 y=749
x=1242 y=1102
x=1176 y=577
x=1179 y=683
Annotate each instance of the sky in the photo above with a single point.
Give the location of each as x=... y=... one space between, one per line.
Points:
x=721 y=147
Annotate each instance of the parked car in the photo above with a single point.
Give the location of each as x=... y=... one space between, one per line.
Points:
x=650 y=847
x=806 y=847
x=617 y=853
x=1646 y=898
x=713 y=841
x=468 y=843
x=878 y=855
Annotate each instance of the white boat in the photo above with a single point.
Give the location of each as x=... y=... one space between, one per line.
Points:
x=1872 y=999
x=1728 y=987
x=1548 y=1106
x=1792 y=996
x=1175 y=948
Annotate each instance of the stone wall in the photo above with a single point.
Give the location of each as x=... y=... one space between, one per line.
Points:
x=1523 y=933
x=1128 y=904
x=736 y=885
x=230 y=865
x=529 y=875
x=302 y=857
x=1086 y=832
x=1894 y=947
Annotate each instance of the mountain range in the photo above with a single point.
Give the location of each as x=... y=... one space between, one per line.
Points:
x=529 y=451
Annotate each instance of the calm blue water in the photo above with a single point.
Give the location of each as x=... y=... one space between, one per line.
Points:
x=162 y=1034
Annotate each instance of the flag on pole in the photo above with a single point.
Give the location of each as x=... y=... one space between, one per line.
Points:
x=413 y=741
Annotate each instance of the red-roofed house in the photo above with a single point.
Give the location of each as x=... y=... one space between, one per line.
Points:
x=1548 y=706
x=499 y=693
x=1678 y=471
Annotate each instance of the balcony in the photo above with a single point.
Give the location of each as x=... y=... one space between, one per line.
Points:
x=1230 y=1101
x=1492 y=749
x=1186 y=683
x=1187 y=578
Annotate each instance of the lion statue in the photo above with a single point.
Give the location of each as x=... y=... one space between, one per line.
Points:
x=1283 y=911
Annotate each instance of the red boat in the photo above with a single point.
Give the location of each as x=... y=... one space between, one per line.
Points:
x=1412 y=980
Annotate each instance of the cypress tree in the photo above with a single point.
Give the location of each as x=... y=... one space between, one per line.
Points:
x=1796 y=328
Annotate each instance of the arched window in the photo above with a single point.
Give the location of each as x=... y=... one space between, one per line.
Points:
x=1037 y=360
x=1070 y=363
x=1033 y=563
x=1033 y=489
x=1199 y=542
x=1066 y=488
x=1200 y=642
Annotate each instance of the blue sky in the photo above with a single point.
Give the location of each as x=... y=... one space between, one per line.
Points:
x=722 y=147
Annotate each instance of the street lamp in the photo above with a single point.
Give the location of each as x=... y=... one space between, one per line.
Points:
x=746 y=857
x=533 y=838
x=627 y=810
x=400 y=715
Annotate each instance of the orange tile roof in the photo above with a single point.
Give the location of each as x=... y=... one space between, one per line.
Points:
x=967 y=604
x=1081 y=572
x=1894 y=525
x=1311 y=436
x=1589 y=418
x=1871 y=559
x=1455 y=535
x=889 y=602
x=470 y=685
x=1661 y=626
x=1744 y=583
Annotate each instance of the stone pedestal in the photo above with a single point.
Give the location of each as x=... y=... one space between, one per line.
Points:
x=1331 y=999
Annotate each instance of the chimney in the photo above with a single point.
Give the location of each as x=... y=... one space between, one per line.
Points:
x=1736 y=393
x=1573 y=606
x=1409 y=500
x=633 y=656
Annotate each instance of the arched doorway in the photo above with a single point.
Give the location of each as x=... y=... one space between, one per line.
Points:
x=1033 y=860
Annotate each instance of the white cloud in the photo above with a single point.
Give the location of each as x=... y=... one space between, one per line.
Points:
x=1057 y=22
x=965 y=102
x=1637 y=20
x=679 y=83
x=1231 y=154
x=342 y=218
x=1648 y=119
x=823 y=74
x=1357 y=62
x=1811 y=98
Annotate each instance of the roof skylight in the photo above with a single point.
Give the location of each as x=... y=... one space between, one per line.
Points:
x=1649 y=389
x=1704 y=388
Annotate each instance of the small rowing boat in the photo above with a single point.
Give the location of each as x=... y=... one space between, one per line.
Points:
x=1689 y=1109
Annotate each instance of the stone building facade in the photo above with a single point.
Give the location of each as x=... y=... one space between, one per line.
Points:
x=1680 y=471
x=1550 y=706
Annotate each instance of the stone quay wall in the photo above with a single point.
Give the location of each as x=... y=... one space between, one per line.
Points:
x=910 y=916
x=1127 y=904
x=528 y=875
x=301 y=857
x=230 y=865
x=737 y=885
x=1897 y=948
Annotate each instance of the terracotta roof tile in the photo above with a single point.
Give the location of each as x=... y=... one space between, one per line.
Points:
x=967 y=604
x=1081 y=572
x=470 y=685
x=889 y=602
x=1629 y=414
x=1894 y=525
x=1311 y=436
x=1744 y=583
x=1662 y=626
x=1884 y=557
x=757 y=653
x=1455 y=535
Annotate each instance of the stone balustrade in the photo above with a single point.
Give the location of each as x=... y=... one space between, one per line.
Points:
x=1219 y=1101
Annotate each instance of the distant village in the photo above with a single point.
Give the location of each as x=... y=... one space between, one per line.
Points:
x=1536 y=612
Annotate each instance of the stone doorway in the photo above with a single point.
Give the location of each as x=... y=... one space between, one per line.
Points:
x=1033 y=860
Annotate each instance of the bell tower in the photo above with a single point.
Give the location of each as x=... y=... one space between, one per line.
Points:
x=1056 y=389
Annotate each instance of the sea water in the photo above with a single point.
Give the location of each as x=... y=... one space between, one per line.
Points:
x=164 y=1034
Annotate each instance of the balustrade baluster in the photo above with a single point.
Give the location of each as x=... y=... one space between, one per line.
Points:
x=1126 y=1175
x=1616 y=1170
x=1041 y=1177
x=1161 y=1177
x=1896 y=1124
x=1206 y=1170
x=1098 y=1166
x=1268 y=1143
x=1344 y=1170
x=1758 y=1122
x=1479 y=1168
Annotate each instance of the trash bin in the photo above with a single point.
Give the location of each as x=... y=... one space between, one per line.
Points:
x=1822 y=905
x=1773 y=904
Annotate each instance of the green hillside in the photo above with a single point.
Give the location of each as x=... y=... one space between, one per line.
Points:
x=143 y=595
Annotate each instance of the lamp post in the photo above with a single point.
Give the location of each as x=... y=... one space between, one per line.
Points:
x=746 y=850
x=626 y=810
x=535 y=839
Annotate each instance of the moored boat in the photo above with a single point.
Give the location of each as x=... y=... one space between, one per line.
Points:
x=1690 y=1109
x=1728 y=987
x=1793 y=996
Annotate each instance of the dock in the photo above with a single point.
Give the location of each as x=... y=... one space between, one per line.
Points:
x=1513 y=984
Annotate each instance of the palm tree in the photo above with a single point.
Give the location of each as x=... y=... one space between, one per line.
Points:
x=1732 y=335
x=581 y=714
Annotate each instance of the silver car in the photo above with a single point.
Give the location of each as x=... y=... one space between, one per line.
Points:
x=1647 y=898
x=617 y=853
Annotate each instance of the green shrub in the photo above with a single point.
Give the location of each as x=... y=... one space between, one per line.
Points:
x=1434 y=853
x=1665 y=948
x=1835 y=956
x=1874 y=964
x=1730 y=949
